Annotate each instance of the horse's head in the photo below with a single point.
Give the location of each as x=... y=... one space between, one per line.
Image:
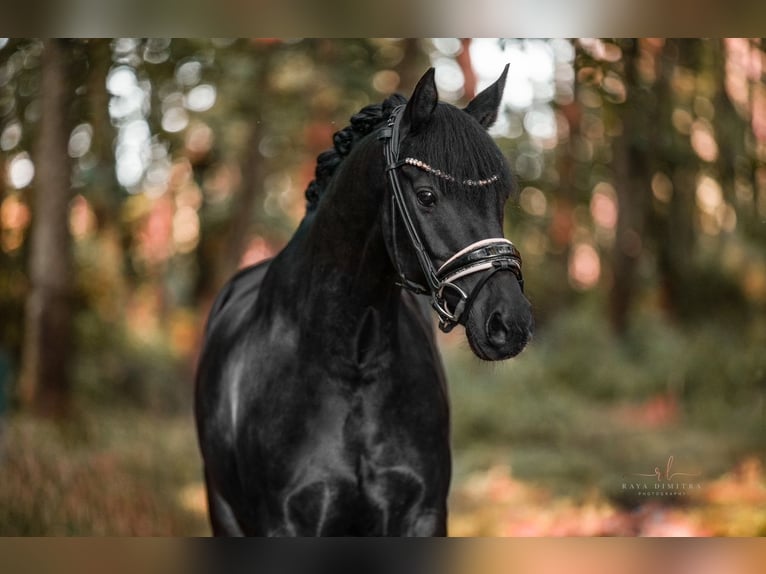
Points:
x=449 y=179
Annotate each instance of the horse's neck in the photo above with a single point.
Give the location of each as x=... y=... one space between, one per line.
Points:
x=345 y=271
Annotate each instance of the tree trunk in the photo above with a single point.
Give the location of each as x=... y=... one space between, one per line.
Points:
x=561 y=228
x=632 y=187
x=466 y=66
x=251 y=188
x=44 y=384
x=411 y=67
x=676 y=237
x=103 y=192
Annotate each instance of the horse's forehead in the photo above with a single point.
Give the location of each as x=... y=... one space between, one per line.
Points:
x=457 y=134
x=454 y=150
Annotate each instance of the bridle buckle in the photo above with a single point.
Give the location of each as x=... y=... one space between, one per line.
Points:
x=448 y=319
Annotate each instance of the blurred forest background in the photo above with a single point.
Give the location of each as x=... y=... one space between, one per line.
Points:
x=136 y=175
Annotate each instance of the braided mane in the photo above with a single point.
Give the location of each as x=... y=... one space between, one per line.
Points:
x=362 y=123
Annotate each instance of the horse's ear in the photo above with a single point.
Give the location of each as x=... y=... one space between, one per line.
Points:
x=422 y=104
x=484 y=107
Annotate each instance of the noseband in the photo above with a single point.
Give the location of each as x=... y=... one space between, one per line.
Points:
x=486 y=256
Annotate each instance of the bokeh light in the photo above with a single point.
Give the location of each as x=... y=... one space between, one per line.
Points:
x=584 y=266
x=21 y=170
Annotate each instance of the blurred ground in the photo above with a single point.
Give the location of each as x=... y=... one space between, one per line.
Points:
x=494 y=503
x=111 y=473
x=132 y=474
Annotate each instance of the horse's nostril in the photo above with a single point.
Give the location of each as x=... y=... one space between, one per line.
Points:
x=497 y=331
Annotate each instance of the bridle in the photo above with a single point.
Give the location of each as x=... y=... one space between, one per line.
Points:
x=487 y=255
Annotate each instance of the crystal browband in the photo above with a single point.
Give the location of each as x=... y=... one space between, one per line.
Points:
x=439 y=173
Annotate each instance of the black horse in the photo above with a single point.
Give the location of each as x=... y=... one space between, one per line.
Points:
x=321 y=401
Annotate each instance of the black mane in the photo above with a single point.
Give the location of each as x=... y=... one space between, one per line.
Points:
x=455 y=144
x=362 y=123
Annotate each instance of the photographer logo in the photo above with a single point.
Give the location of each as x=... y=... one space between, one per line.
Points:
x=663 y=482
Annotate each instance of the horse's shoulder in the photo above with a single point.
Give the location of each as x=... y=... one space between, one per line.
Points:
x=238 y=292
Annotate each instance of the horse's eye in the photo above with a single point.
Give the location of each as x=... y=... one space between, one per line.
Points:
x=426 y=198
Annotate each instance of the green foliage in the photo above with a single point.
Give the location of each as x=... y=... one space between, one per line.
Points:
x=106 y=473
x=581 y=408
x=114 y=367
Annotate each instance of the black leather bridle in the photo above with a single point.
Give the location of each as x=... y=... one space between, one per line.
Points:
x=487 y=255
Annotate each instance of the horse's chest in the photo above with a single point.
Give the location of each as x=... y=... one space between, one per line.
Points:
x=351 y=435
x=360 y=461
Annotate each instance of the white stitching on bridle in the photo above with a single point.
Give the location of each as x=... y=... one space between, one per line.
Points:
x=472 y=246
x=471 y=269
